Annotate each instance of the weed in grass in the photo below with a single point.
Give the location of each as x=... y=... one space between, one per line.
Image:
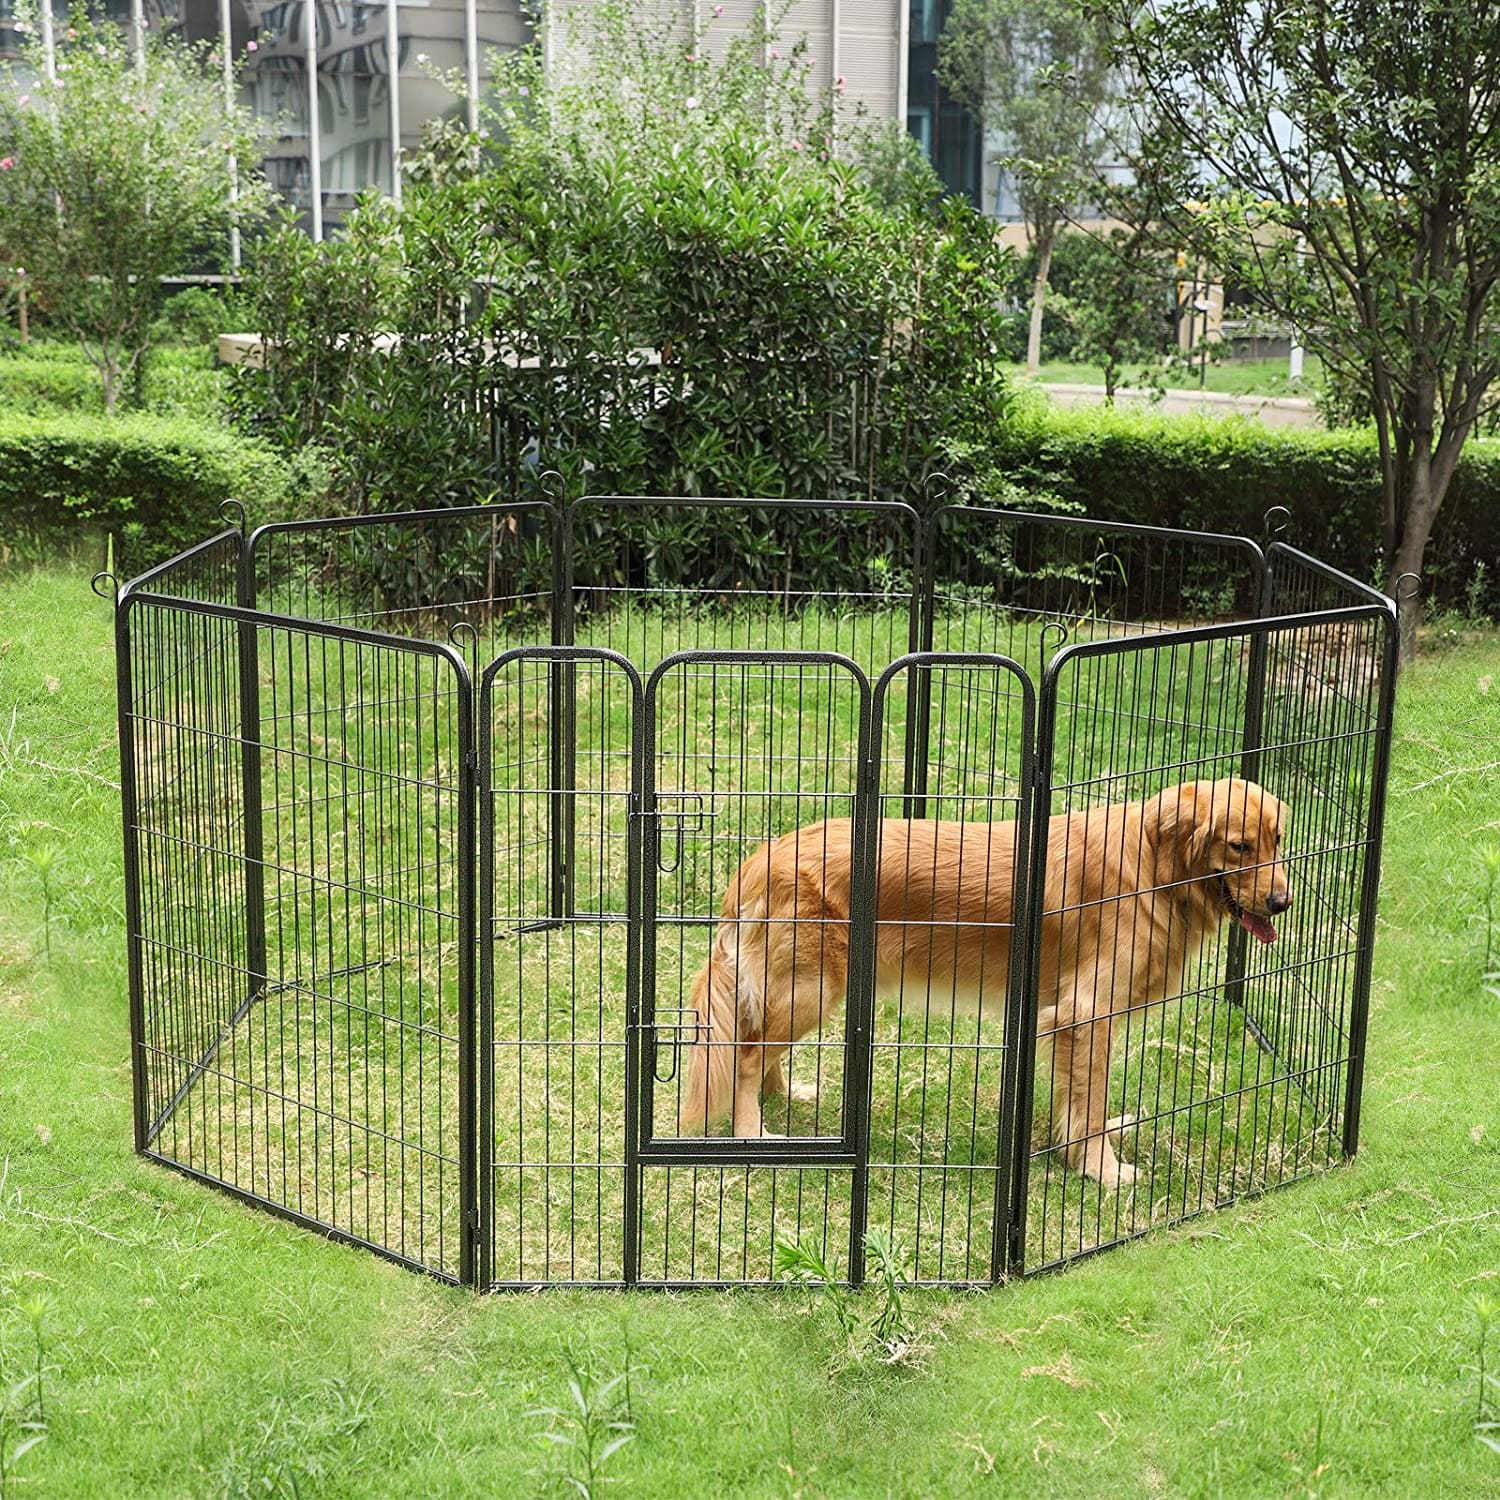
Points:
x=802 y=1261
x=1474 y=595
x=43 y=860
x=294 y=1442
x=23 y=1401
x=892 y=1328
x=890 y=1333
x=1486 y=1384
x=1491 y=857
x=595 y=1425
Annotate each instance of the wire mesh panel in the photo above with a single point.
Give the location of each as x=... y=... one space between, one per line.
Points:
x=752 y=872
x=1019 y=584
x=948 y=986
x=1323 y=742
x=480 y=576
x=556 y=981
x=333 y=1087
x=185 y=830
x=650 y=577
x=1159 y=1092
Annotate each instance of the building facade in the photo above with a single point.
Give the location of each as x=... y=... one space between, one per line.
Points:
x=344 y=88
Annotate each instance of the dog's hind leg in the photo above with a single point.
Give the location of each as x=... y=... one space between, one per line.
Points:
x=808 y=971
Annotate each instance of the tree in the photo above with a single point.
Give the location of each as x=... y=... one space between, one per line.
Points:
x=1348 y=177
x=113 y=174
x=1118 y=311
x=1038 y=72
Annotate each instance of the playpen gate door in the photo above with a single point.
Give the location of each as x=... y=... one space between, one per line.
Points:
x=744 y=1141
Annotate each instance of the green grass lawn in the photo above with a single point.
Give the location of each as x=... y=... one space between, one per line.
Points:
x=1313 y=1342
x=1251 y=377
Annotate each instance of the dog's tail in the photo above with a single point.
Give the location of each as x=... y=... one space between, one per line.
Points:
x=728 y=1010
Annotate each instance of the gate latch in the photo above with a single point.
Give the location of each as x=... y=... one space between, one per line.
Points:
x=670 y=1031
x=674 y=824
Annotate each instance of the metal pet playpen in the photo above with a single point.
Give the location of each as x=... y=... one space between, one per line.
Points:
x=429 y=818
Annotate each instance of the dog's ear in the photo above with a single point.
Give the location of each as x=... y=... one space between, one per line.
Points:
x=1179 y=822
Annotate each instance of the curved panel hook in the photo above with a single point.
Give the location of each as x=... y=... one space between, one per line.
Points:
x=464 y=635
x=1277 y=522
x=935 y=489
x=96 y=582
x=552 y=484
x=1057 y=629
x=233 y=513
x=1408 y=588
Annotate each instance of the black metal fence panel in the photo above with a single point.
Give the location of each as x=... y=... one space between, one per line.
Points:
x=624 y=893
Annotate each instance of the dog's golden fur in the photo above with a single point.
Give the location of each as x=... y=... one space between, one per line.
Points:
x=1132 y=891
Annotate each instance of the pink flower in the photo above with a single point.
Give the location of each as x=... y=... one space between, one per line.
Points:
x=6 y=163
x=796 y=145
x=213 y=57
x=252 y=46
x=24 y=100
x=718 y=11
x=72 y=35
x=140 y=109
x=775 y=56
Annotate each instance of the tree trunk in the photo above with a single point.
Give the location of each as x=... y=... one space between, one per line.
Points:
x=1044 y=243
x=111 y=386
x=1422 y=503
x=1409 y=560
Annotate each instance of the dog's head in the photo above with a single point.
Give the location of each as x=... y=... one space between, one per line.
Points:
x=1224 y=838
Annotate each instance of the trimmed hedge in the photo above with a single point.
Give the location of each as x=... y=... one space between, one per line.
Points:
x=1212 y=474
x=48 y=377
x=155 y=484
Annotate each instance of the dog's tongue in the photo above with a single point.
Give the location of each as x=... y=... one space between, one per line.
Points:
x=1258 y=928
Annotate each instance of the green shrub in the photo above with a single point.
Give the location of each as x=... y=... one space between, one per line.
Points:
x=808 y=335
x=1213 y=475
x=152 y=484
x=197 y=315
x=43 y=378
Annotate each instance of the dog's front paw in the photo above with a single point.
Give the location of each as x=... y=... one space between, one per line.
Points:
x=802 y=1092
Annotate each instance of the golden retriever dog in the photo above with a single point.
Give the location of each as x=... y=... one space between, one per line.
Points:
x=1132 y=892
